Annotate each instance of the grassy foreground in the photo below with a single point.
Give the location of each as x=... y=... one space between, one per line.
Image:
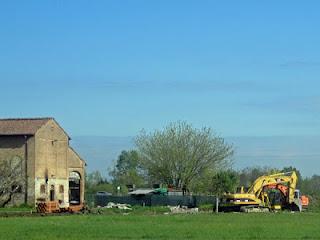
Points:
x=200 y=226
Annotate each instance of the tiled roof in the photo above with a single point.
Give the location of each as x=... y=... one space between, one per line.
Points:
x=21 y=126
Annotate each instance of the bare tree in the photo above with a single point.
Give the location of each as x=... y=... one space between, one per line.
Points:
x=11 y=180
x=180 y=153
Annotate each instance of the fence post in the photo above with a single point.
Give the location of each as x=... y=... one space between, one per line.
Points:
x=217 y=204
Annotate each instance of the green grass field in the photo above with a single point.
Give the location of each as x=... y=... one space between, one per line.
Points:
x=200 y=226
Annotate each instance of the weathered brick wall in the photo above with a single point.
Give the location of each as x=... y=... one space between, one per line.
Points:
x=31 y=170
x=51 y=148
x=51 y=151
x=13 y=147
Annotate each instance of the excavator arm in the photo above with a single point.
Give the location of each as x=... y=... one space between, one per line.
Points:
x=288 y=179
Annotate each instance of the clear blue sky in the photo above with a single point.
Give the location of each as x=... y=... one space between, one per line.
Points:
x=113 y=67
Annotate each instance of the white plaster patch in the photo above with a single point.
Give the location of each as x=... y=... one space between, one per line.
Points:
x=52 y=184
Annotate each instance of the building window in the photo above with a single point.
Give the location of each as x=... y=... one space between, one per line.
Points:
x=42 y=189
x=61 y=189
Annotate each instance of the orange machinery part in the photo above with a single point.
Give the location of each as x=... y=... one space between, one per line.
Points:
x=304 y=201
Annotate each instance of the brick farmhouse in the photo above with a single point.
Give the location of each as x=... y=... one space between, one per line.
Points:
x=52 y=170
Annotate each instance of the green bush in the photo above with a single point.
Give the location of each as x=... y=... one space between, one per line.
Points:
x=314 y=204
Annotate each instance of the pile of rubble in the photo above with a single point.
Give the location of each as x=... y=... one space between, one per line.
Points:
x=119 y=206
x=173 y=209
x=183 y=209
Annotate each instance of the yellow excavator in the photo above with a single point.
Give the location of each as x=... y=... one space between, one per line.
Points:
x=267 y=193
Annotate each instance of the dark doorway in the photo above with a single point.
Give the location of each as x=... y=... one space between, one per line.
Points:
x=74 y=188
x=52 y=193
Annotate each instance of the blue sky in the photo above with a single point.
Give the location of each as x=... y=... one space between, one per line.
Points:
x=111 y=68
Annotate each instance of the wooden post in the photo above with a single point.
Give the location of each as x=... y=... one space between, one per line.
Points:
x=217 y=204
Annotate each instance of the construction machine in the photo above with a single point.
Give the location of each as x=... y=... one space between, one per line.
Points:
x=267 y=193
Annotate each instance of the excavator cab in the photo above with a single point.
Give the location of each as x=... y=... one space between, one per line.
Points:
x=275 y=199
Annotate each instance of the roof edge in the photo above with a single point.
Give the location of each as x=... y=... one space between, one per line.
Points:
x=75 y=152
x=19 y=119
